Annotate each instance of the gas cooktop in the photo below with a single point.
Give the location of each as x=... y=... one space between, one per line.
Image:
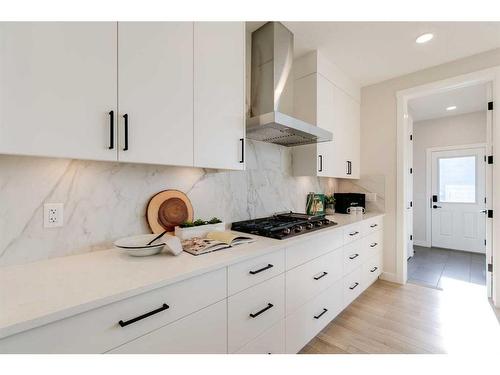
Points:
x=281 y=226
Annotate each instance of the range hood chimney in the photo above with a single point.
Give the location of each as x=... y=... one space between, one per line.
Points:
x=271 y=114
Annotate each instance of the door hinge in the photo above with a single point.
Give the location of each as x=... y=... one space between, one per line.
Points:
x=490 y=106
x=490 y=267
x=490 y=159
x=490 y=214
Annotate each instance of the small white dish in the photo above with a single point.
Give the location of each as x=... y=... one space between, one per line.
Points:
x=137 y=246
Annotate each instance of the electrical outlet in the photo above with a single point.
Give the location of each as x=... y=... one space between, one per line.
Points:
x=53 y=215
x=371 y=197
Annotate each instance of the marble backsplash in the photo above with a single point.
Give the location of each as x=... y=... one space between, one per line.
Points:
x=104 y=201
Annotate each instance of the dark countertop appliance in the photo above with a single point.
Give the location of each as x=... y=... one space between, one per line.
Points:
x=345 y=200
x=281 y=226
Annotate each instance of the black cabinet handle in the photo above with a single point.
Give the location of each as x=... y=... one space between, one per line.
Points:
x=349 y=167
x=353 y=233
x=269 y=305
x=354 y=286
x=321 y=276
x=320 y=315
x=261 y=269
x=374 y=244
x=111 y=130
x=354 y=256
x=373 y=225
x=125 y=116
x=127 y=322
x=320 y=157
x=374 y=269
x=242 y=140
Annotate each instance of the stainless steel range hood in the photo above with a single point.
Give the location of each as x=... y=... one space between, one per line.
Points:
x=271 y=114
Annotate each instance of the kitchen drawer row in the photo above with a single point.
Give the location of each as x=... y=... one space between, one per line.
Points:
x=274 y=303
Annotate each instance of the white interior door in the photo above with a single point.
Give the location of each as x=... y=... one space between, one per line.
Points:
x=409 y=189
x=155 y=92
x=458 y=199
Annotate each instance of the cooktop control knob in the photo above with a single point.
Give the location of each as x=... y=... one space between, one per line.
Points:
x=286 y=231
x=298 y=228
x=318 y=223
x=309 y=225
x=326 y=221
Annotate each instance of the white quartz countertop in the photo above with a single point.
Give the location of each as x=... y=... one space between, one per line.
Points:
x=38 y=293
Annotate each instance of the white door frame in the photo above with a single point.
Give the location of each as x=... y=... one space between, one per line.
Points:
x=428 y=182
x=492 y=76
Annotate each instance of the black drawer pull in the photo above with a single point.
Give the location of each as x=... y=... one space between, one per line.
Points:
x=262 y=269
x=374 y=269
x=320 y=157
x=374 y=244
x=320 y=315
x=320 y=276
x=354 y=286
x=111 y=130
x=353 y=233
x=373 y=225
x=269 y=305
x=242 y=140
x=125 y=116
x=127 y=322
x=354 y=256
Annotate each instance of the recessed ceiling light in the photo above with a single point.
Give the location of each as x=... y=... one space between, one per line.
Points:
x=451 y=108
x=424 y=38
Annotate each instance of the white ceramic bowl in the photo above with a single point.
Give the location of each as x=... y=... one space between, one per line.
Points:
x=136 y=246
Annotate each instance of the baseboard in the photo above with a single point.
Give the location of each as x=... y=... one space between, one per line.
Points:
x=389 y=276
x=421 y=243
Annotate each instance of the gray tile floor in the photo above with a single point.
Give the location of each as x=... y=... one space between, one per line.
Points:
x=439 y=268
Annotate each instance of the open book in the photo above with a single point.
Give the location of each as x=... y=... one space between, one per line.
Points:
x=213 y=242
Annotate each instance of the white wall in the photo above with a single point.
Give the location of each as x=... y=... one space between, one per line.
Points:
x=378 y=131
x=446 y=131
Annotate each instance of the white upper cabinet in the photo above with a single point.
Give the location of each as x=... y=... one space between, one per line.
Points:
x=327 y=98
x=155 y=92
x=219 y=94
x=58 y=87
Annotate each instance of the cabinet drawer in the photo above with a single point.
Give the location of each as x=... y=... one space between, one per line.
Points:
x=372 y=269
x=313 y=247
x=372 y=225
x=352 y=233
x=203 y=332
x=270 y=342
x=308 y=280
x=243 y=275
x=373 y=243
x=353 y=285
x=308 y=320
x=254 y=310
x=98 y=330
x=353 y=256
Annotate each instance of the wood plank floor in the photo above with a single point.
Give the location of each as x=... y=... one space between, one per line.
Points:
x=391 y=318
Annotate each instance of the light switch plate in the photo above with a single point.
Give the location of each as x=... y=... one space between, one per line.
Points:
x=371 y=197
x=53 y=215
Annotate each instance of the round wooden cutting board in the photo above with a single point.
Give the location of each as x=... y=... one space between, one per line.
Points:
x=167 y=209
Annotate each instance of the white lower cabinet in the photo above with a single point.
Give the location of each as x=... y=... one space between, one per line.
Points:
x=204 y=332
x=273 y=303
x=305 y=323
x=353 y=285
x=254 y=310
x=310 y=279
x=271 y=341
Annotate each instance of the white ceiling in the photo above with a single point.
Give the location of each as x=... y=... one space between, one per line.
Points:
x=467 y=100
x=372 y=52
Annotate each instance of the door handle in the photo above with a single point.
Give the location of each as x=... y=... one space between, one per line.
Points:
x=111 y=130
x=125 y=117
x=242 y=140
x=435 y=206
x=320 y=157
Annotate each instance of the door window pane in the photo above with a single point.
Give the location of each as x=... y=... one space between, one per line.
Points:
x=457 y=179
